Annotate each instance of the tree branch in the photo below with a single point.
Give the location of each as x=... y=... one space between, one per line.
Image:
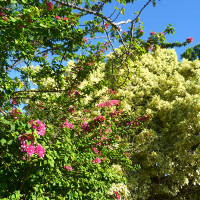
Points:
x=37 y=91
x=110 y=21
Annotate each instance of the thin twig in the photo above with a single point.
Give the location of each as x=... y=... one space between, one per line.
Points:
x=112 y=13
x=136 y=18
x=37 y=91
x=110 y=21
x=118 y=14
x=2 y=111
x=96 y=37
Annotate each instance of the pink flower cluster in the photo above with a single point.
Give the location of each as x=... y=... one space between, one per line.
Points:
x=99 y=118
x=85 y=40
x=111 y=91
x=153 y=33
x=117 y=195
x=50 y=6
x=71 y=110
x=84 y=126
x=2 y=14
x=67 y=124
x=30 y=149
x=15 y=113
x=40 y=151
x=39 y=126
x=69 y=168
x=115 y=113
x=13 y=101
x=109 y=103
x=97 y=160
x=95 y=150
x=58 y=17
x=189 y=40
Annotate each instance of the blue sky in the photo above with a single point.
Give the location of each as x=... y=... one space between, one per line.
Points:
x=183 y=15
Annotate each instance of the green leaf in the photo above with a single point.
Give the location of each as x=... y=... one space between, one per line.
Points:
x=3 y=141
x=43 y=25
x=13 y=19
x=51 y=162
x=10 y=142
x=13 y=1
x=123 y=11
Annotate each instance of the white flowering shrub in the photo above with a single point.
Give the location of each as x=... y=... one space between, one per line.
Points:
x=168 y=148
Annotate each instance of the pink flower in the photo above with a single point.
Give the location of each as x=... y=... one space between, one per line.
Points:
x=95 y=150
x=69 y=168
x=189 y=40
x=71 y=110
x=84 y=126
x=30 y=149
x=103 y=138
x=67 y=124
x=163 y=34
x=50 y=6
x=97 y=160
x=40 y=151
x=15 y=113
x=141 y=31
x=58 y=17
x=129 y=123
x=85 y=40
x=23 y=158
x=153 y=33
x=150 y=47
x=76 y=93
x=117 y=195
x=124 y=32
x=23 y=146
x=106 y=25
x=98 y=144
x=89 y=63
x=14 y=102
x=109 y=103
x=108 y=130
x=111 y=91
x=99 y=118
x=39 y=126
x=2 y=14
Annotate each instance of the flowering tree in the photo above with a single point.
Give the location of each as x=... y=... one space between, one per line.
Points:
x=67 y=142
x=167 y=148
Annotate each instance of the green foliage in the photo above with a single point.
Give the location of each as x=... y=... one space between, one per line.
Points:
x=47 y=178
x=85 y=132
x=192 y=53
